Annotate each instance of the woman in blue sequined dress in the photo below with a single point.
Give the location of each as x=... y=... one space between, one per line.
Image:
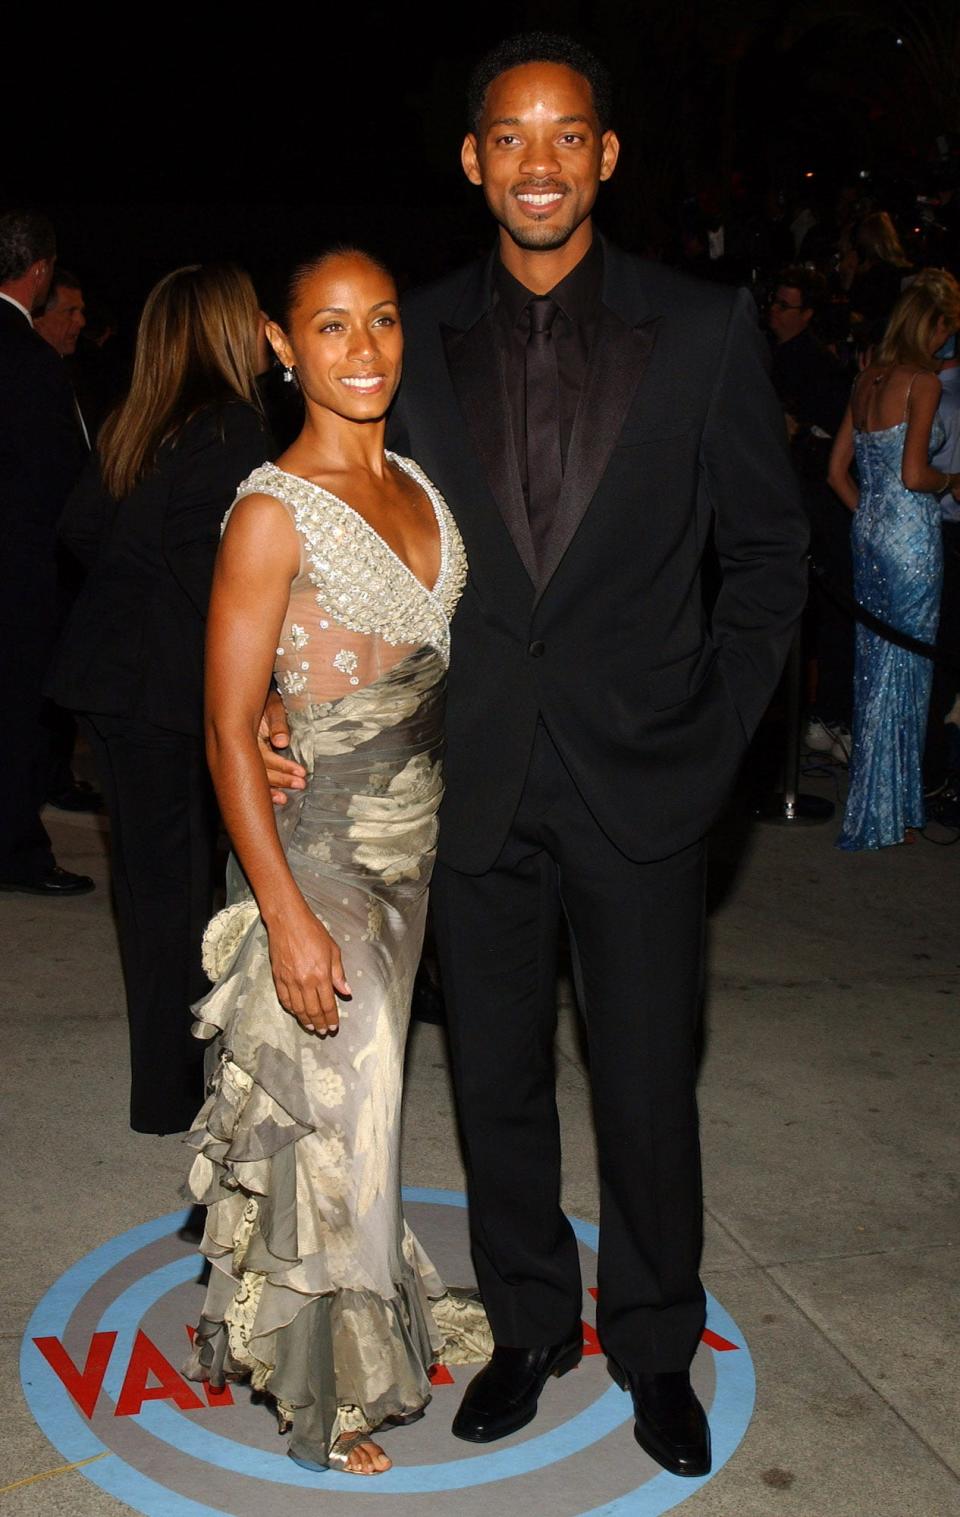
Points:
x=890 y=429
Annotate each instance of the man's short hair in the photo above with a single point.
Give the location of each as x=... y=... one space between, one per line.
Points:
x=62 y=279
x=539 y=47
x=811 y=285
x=25 y=238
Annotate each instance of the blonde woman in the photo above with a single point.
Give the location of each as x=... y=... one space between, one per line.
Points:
x=890 y=430
x=881 y=268
x=144 y=521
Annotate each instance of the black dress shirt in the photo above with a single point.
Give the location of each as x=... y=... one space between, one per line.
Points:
x=578 y=298
x=811 y=384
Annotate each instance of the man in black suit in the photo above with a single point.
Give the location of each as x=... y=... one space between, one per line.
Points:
x=595 y=721
x=41 y=454
x=592 y=419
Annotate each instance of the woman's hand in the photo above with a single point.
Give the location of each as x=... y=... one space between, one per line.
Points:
x=307 y=970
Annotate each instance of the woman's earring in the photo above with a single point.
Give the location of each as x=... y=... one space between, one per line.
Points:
x=288 y=374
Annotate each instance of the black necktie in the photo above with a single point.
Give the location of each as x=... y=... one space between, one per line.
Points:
x=544 y=462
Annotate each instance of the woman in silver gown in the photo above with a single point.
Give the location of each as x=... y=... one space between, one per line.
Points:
x=338 y=572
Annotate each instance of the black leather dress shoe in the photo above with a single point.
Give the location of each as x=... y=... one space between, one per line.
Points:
x=80 y=796
x=670 y=1425
x=55 y=882
x=192 y=1229
x=427 y=1004
x=504 y=1396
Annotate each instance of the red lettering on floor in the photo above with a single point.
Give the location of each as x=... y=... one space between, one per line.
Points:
x=714 y=1340
x=708 y=1336
x=147 y=1360
x=214 y=1398
x=83 y=1385
x=591 y=1343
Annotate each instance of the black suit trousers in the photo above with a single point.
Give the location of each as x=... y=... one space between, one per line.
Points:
x=636 y=931
x=25 y=852
x=163 y=830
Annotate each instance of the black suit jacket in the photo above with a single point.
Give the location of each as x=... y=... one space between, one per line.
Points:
x=133 y=644
x=41 y=455
x=678 y=435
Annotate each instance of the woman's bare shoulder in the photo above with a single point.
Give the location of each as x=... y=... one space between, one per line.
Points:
x=261 y=525
x=921 y=381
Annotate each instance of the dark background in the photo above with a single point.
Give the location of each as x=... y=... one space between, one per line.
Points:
x=172 y=136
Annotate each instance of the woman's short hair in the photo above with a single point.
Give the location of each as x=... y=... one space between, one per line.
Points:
x=909 y=332
x=196 y=346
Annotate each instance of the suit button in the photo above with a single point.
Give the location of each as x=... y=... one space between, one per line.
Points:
x=537 y=650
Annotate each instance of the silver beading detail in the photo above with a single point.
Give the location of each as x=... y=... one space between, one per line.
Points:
x=360 y=582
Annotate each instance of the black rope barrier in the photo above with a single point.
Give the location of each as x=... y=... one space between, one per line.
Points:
x=848 y=603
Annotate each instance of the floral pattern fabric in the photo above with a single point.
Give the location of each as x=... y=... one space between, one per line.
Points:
x=318 y=1290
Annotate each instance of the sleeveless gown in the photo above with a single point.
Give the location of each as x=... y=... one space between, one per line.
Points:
x=318 y=1290
x=897 y=574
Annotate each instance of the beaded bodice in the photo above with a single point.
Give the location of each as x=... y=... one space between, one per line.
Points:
x=356 y=609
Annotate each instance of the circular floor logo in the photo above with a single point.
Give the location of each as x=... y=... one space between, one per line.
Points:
x=100 y=1370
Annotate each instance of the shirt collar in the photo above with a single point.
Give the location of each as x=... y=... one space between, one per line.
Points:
x=4 y=296
x=577 y=294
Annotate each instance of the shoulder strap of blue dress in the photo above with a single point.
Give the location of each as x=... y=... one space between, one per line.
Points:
x=906 y=402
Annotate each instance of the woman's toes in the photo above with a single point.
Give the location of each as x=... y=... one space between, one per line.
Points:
x=367 y=1458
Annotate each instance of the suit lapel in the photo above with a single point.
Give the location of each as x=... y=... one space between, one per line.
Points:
x=474 y=364
x=619 y=355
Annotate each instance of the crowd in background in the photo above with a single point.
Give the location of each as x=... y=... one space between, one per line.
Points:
x=826 y=274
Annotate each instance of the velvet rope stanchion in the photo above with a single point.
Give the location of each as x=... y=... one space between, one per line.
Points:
x=789 y=807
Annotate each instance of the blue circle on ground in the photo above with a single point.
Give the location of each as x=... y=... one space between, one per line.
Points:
x=72 y=1435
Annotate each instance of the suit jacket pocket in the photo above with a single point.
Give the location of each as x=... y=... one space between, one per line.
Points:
x=674 y=683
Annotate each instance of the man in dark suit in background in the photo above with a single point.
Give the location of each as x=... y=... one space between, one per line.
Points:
x=814 y=389
x=41 y=454
x=591 y=419
x=60 y=321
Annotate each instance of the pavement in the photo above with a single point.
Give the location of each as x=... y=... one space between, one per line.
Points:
x=828 y=1101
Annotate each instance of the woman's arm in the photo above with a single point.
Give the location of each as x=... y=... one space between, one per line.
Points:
x=216 y=450
x=87 y=515
x=915 y=469
x=258 y=559
x=841 y=457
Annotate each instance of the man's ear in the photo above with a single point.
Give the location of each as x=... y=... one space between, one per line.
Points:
x=610 y=152
x=470 y=158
